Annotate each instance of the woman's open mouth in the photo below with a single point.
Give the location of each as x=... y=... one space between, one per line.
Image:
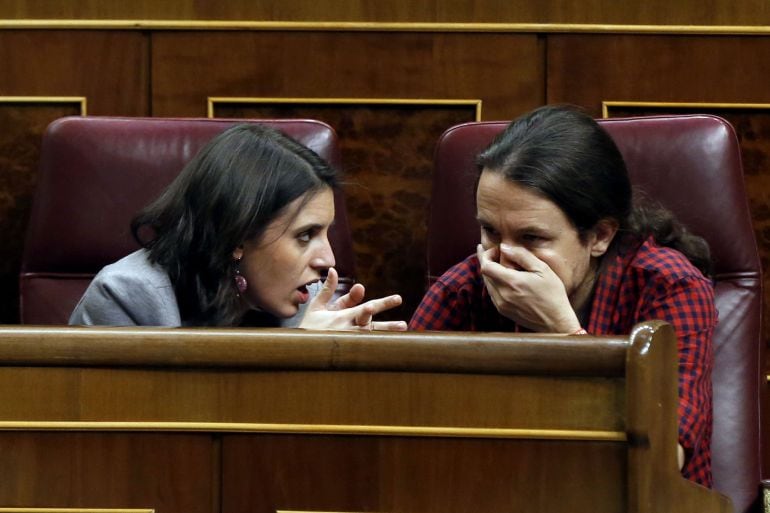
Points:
x=304 y=293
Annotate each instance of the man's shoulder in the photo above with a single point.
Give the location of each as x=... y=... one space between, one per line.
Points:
x=664 y=262
x=464 y=273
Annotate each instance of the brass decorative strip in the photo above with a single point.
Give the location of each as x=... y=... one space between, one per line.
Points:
x=607 y=105
x=320 y=429
x=79 y=100
x=363 y=26
x=213 y=100
x=295 y=511
x=73 y=510
x=765 y=496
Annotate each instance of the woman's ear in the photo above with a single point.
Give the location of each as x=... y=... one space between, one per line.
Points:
x=238 y=253
x=604 y=233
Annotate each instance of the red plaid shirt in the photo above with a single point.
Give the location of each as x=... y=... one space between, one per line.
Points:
x=652 y=282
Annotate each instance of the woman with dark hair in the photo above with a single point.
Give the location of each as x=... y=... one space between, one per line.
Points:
x=565 y=250
x=238 y=238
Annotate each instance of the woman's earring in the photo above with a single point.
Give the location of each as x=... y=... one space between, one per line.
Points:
x=240 y=282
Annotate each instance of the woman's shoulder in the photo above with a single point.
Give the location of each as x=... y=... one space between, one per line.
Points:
x=134 y=269
x=131 y=291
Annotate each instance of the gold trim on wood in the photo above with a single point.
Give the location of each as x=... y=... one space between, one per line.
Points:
x=363 y=26
x=765 y=498
x=80 y=100
x=607 y=105
x=539 y=434
x=303 y=511
x=213 y=100
x=73 y=510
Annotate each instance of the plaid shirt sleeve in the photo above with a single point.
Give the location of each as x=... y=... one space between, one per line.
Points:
x=688 y=305
x=447 y=303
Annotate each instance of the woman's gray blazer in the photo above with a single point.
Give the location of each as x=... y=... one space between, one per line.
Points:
x=135 y=292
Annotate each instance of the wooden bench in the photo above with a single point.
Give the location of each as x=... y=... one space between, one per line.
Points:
x=257 y=421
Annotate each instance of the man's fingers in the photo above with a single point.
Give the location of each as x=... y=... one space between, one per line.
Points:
x=524 y=259
x=497 y=272
x=487 y=255
x=488 y=261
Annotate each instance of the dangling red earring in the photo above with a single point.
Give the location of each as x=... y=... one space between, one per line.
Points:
x=240 y=281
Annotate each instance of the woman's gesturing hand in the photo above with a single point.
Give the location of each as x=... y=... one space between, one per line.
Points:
x=347 y=312
x=530 y=293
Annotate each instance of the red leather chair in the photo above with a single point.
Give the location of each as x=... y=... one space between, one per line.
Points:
x=692 y=165
x=96 y=173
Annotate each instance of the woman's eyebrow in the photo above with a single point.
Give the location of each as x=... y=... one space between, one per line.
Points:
x=308 y=226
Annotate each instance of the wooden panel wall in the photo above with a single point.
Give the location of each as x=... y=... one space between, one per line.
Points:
x=174 y=73
x=432 y=475
x=139 y=471
x=503 y=70
x=588 y=69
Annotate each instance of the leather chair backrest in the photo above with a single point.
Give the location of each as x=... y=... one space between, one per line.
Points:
x=96 y=173
x=692 y=165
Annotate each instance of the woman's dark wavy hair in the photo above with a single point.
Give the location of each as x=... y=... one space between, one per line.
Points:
x=227 y=194
x=564 y=155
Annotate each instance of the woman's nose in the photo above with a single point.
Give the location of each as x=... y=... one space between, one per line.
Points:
x=325 y=256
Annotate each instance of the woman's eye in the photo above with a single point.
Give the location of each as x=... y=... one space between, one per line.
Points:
x=304 y=237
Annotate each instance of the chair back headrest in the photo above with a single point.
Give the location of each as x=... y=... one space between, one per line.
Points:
x=96 y=173
x=690 y=164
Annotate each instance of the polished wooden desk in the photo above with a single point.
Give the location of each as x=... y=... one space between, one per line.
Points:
x=236 y=421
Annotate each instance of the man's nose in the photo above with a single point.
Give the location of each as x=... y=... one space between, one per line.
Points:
x=505 y=260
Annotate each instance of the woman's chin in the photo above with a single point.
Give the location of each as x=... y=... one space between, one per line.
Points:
x=285 y=311
x=280 y=311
